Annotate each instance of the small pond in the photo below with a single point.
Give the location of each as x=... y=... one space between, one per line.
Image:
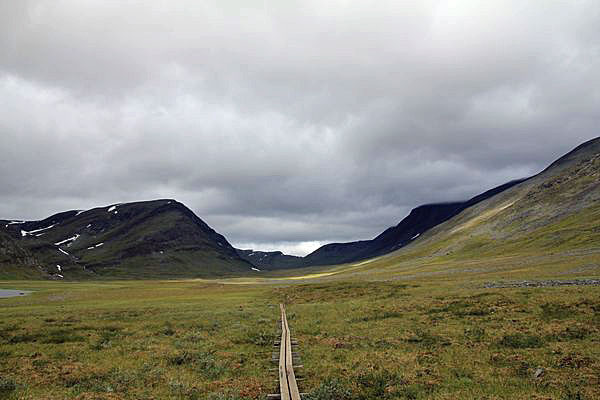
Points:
x=4 y=293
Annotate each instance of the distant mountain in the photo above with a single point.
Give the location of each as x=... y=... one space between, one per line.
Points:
x=426 y=217
x=269 y=260
x=420 y=220
x=150 y=239
x=558 y=208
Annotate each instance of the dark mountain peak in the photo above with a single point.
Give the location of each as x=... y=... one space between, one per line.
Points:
x=146 y=239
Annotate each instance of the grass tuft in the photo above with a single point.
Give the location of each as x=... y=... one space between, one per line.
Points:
x=7 y=386
x=556 y=311
x=59 y=336
x=425 y=338
x=331 y=389
x=521 y=341
x=202 y=362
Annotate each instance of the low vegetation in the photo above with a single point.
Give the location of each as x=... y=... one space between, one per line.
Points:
x=391 y=340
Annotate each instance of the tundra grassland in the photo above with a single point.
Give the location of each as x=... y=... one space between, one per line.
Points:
x=135 y=340
x=418 y=337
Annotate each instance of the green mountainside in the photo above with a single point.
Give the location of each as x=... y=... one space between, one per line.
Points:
x=554 y=215
x=508 y=213
x=152 y=239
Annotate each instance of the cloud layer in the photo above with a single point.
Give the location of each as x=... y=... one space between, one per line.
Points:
x=289 y=124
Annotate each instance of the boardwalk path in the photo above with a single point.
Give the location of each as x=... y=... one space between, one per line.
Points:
x=287 y=380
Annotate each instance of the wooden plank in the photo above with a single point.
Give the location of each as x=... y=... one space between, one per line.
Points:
x=287 y=379
x=283 y=382
x=293 y=386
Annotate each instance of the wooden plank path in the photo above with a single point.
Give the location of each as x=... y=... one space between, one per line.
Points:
x=288 y=388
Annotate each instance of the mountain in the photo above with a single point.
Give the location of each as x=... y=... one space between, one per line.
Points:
x=270 y=260
x=420 y=220
x=551 y=219
x=556 y=210
x=150 y=239
x=15 y=261
x=577 y=168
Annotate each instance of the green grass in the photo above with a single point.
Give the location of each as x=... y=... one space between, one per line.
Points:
x=421 y=339
x=135 y=340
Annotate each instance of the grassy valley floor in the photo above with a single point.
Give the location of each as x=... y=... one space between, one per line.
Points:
x=425 y=337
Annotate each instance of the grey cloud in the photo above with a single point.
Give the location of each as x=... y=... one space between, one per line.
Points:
x=289 y=123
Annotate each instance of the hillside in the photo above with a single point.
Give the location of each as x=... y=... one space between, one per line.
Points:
x=420 y=220
x=160 y=238
x=556 y=210
x=549 y=220
x=567 y=186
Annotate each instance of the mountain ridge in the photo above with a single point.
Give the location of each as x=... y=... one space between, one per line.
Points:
x=420 y=220
x=554 y=212
x=164 y=238
x=142 y=239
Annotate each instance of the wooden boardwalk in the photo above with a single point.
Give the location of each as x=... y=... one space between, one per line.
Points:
x=288 y=388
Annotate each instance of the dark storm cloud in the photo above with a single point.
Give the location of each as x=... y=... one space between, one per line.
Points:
x=288 y=124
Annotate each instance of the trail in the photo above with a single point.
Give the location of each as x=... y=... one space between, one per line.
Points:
x=288 y=388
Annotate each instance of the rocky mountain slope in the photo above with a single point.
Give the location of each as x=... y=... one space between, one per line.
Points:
x=151 y=239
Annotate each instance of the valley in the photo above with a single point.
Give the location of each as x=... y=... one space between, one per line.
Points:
x=496 y=300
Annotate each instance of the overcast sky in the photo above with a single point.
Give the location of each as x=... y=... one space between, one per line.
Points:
x=288 y=124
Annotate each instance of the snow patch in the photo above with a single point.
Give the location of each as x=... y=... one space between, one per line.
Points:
x=68 y=240
x=255 y=269
x=62 y=251
x=416 y=236
x=59 y=268
x=88 y=225
x=80 y=212
x=112 y=208
x=60 y=276
x=14 y=222
x=25 y=233
x=94 y=246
